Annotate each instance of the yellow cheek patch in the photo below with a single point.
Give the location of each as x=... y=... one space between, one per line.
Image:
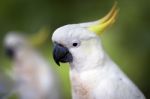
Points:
x=106 y=21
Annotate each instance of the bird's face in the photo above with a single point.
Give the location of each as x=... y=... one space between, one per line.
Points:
x=13 y=43
x=72 y=43
x=76 y=42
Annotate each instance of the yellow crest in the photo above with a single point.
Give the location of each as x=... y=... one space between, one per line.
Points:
x=106 y=21
x=40 y=37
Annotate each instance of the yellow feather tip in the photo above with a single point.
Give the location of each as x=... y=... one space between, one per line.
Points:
x=39 y=38
x=106 y=21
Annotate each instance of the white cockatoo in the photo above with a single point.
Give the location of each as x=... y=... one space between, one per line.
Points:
x=93 y=74
x=33 y=75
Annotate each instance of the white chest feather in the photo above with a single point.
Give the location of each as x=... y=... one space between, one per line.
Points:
x=103 y=83
x=83 y=84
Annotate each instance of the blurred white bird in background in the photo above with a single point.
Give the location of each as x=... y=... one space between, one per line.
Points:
x=33 y=75
x=6 y=86
x=93 y=74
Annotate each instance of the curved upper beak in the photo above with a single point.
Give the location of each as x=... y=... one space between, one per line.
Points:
x=61 y=54
x=9 y=52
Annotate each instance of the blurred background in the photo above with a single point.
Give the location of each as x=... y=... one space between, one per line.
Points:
x=127 y=42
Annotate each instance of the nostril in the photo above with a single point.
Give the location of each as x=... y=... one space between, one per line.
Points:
x=9 y=52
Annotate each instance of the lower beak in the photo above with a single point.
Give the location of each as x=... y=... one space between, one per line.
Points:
x=61 y=54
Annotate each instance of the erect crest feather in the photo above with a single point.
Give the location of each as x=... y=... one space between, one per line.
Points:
x=40 y=37
x=99 y=26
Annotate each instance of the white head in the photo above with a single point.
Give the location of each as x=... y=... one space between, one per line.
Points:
x=79 y=43
x=14 y=43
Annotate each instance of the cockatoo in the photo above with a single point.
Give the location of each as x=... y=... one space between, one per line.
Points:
x=93 y=74
x=33 y=75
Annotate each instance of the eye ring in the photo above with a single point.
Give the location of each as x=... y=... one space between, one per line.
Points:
x=75 y=44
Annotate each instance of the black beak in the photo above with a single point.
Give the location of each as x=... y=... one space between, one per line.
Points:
x=61 y=54
x=9 y=52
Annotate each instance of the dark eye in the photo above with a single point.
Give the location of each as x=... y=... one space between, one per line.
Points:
x=75 y=44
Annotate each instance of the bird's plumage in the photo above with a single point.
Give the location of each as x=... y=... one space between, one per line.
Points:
x=34 y=77
x=93 y=74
